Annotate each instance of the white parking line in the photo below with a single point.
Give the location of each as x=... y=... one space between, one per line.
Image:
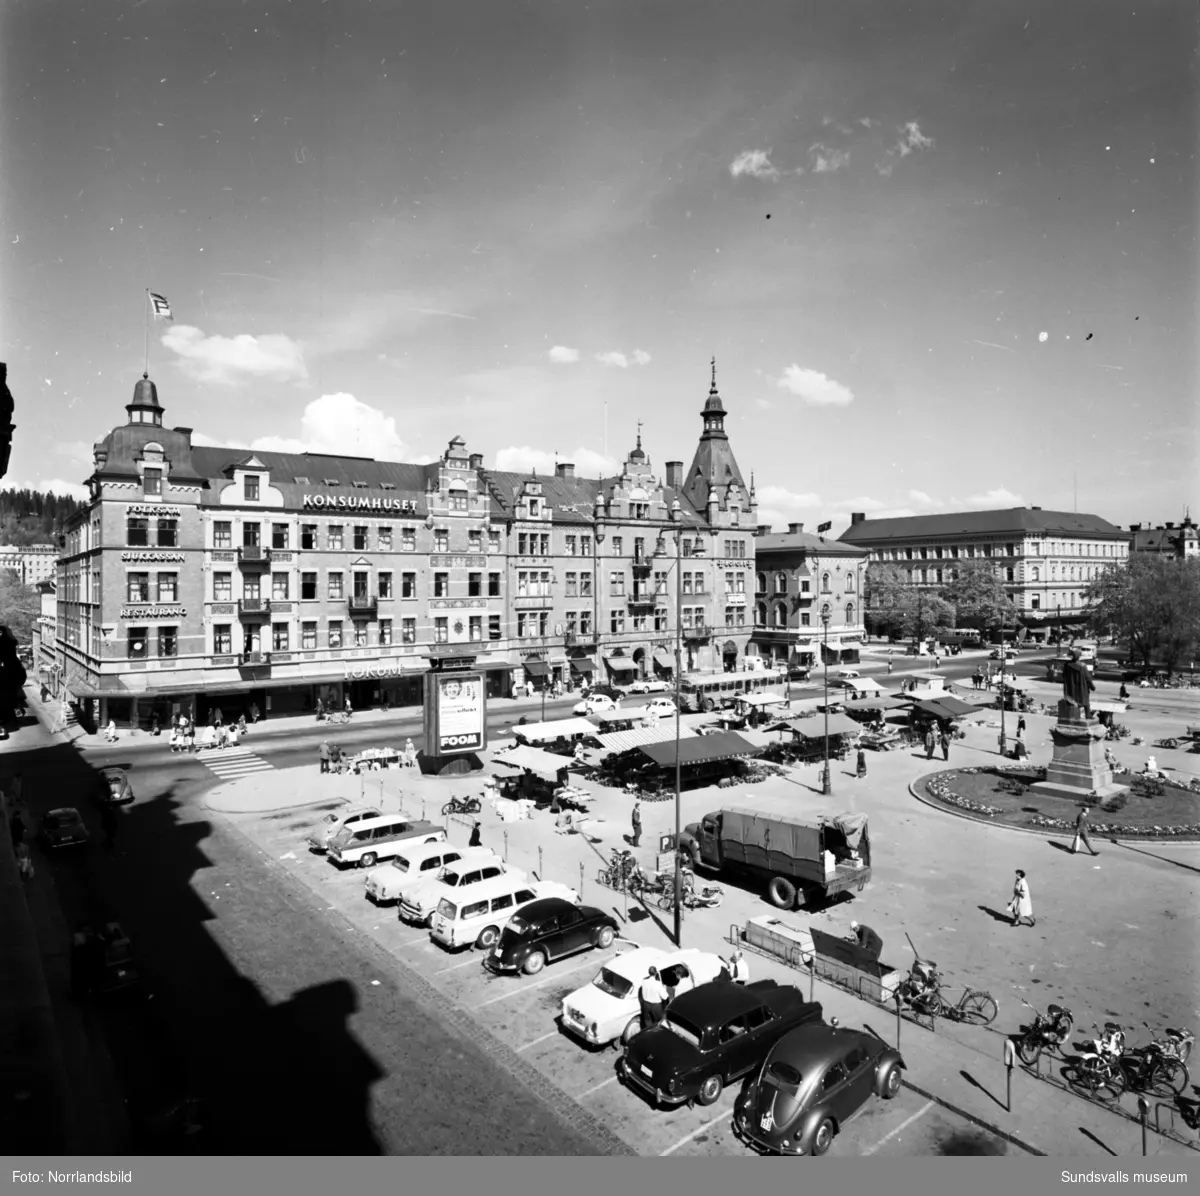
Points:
x=512 y=992
x=424 y=938
x=902 y=1126
x=552 y=1034
x=454 y=967
x=696 y=1133
x=597 y=1087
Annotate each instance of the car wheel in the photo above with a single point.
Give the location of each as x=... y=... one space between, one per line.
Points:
x=534 y=964
x=369 y=860
x=781 y=892
x=489 y=936
x=891 y=1082
x=632 y=1030
x=710 y=1091
x=823 y=1138
x=604 y=937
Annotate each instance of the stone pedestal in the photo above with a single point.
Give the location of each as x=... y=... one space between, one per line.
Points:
x=1078 y=769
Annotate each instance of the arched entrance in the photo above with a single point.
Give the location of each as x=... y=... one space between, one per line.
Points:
x=639 y=658
x=729 y=655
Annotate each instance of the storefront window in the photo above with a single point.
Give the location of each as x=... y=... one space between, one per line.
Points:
x=222 y=639
x=308 y=634
x=137 y=532
x=168 y=641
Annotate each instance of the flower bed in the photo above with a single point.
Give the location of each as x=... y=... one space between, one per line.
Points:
x=1002 y=795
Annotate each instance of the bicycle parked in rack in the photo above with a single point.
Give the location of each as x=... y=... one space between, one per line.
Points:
x=923 y=990
x=1097 y=1071
x=1158 y=1068
x=1047 y=1032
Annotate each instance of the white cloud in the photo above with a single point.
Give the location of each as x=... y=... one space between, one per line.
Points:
x=814 y=387
x=524 y=459
x=825 y=160
x=613 y=357
x=763 y=404
x=921 y=499
x=562 y=355
x=233 y=359
x=911 y=138
x=204 y=440
x=641 y=357
x=788 y=500
x=867 y=122
x=756 y=163
x=999 y=498
x=862 y=503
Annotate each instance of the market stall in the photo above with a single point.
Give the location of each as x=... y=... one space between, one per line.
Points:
x=702 y=759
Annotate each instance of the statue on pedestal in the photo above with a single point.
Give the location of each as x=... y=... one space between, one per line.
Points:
x=1078 y=684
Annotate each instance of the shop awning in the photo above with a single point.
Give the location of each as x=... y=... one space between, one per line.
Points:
x=625 y=714
x=622 y=741
x=537 y=668
x=620 y=664
x=764 y=699
x=550 y=730
x=814 y=728
x=413 y=664
x=545 y=764
x=581 y=664
x=664 y=659
x=957 y=705
x=724 y=745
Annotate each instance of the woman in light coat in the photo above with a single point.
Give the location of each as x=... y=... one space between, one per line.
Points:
x=1021 y=905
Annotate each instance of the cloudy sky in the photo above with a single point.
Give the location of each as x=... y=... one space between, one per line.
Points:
x=944 y=254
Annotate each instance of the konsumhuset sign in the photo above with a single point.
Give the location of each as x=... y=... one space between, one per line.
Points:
x=357 y=502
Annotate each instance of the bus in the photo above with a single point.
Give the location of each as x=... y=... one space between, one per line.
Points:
x=712 y=691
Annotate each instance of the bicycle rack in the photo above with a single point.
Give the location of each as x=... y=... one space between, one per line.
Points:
x=736 y=935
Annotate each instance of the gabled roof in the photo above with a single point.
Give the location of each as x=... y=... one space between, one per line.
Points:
x=1014 y=521
x=804 y=541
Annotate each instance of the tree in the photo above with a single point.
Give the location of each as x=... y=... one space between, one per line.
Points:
x=1152 y=603
x=20 y=605
x=978 y=596
x=906 y=609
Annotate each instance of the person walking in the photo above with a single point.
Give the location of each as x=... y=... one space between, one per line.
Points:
x=348 y=708
x=889 y=672
x=930 y=743
x=1021 y=906
x=324 y=755
x=653 y=999
x=862 y=763
x=24 y=863
x=1081 y=833
x=945 y=745
x=110 y=732
x=636 y=818
x=109 y=823
x=220 y=721
x=476 y=839
x=320 y=710
x=1021 y=726
x=254 y=716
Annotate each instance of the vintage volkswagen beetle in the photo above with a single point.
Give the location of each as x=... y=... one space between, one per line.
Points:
x=813 y=1081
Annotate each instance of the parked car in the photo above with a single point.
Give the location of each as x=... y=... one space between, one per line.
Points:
x=814 y=1079
x=63 y=828
x=650 y=685
x=102 y=962
x=549 y=929
x=413 y=865
x=367 y=842
x=608 y=691
x=113 y=787
x=479 y=918
x=661 y=707
x=420 y=902
x=594 y=703
x=323 y=833
x=713 y=1035
x=608 y=1008
x=1002 y=654
x=847 y=674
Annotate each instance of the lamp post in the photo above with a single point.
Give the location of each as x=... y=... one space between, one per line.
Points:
x=826 y=785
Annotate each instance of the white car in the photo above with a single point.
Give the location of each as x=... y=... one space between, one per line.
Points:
x=594 y=704
x=416 y=864
x=608 y=1009
x=650 y=685
x=420 y=902
x=848 y=674
x=1006 y=653
x=662 y=707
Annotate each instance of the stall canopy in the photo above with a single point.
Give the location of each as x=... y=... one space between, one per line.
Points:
x=882 y=702
x=622 y=741
x=547 y=732
x=633 y=714
x=1109 y=707
x=582 y=665
x=537 y=668
x=947 y=707
x=766 y=699
x=725 y=745
x=620 y=664
x=545 y=764
x=814 y=728
x=957 y=705
x=863 y=685
x=664 y=659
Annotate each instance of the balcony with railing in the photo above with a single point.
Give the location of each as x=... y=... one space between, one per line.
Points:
x=253 y=606
x=580 y=639
x=700 y=632
x=642 y=598
x=363 y=606
x=252 y=554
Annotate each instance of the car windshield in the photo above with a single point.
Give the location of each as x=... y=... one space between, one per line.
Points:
x=400 y=864
x=447 y=909
x=449 y=878
x=616 y=986
x=330 y=818
x=684 y=1029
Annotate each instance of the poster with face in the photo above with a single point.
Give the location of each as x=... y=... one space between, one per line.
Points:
x=460 y=713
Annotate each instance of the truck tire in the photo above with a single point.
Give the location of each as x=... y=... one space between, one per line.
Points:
x=781 y=892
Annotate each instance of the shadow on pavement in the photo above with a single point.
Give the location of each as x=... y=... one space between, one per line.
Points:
x=1092 y=1137
x=966 y=1075
x=995 y=914
x=1161 y=858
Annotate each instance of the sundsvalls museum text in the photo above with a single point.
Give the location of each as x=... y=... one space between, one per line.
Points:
x=1124 y=1177
x=72 y=1177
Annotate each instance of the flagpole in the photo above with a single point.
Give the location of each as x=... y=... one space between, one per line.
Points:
x=146 y=368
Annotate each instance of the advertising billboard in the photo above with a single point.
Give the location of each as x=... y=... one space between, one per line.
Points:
x=455 y=713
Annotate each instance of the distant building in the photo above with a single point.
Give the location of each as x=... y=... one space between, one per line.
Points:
x=32 y=563
x=807 y=598
x=1045 y=559
x=1181 y=541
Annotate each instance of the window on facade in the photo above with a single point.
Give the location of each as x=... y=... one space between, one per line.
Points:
x=585 y=545
x=137 y=532
x=618 y=545
x=280 y=637
x=585 y=622
x=849 y=613
x=250 y=484
x=761 y=584
x=616 y=584
x=308 y=586
x=408 y=585
x=687 y=582
x=251 y=535
x=385 y=537
x=138 y=640
x=523 y=543
x=760 y=614
x=222 y=639
x=458 y=500
x=569 y=545
x=152 y=481
x=616 y=621
x=408 y=631
x=385 y=631
x=849 y=583
x=441 y=630
x=336 y=586
x=335 y=633
x=493 y=540
x=360 y=633
x=335 y=536
x=494 y=628
x=781 y=614
x=168 y=533
x=279 y=587
x=1009 y=574
x=168 y=641
x=826 y=611
x=475 y=540
x=359 y=537
x=168 y=587
x=308 y=634
x=825 y=587
x=570 y=585
x=362 y=584
x=251 y=587
x=441 y=585
x=585 y=585
x=408 y=539
x=476 y=627
x=385 y=585
x=441 y=540
x=308 y=535
x=138 y=587
x=937 y=573
x=222 y=587
x=660 y=583
x=279 y=535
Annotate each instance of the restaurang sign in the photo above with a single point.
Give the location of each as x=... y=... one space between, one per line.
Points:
x=153 y=612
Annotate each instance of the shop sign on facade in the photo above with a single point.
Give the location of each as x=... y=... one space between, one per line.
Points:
x=154 y=557
x=151 y=508
x=153 y=612
x=354 y=502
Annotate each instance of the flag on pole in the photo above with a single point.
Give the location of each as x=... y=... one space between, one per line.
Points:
x=822 y=528
x=160 y=306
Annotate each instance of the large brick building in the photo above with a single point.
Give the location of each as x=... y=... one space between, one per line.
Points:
x=206 y=576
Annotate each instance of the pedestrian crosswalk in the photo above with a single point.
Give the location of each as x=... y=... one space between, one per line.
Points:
x=233 y=762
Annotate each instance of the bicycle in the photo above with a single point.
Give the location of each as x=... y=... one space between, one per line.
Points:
x=1161 y=1067
x=1097 y=1071
x=462 y=805
x=975 y=1006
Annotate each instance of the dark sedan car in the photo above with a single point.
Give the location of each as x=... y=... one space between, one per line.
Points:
x=711 y=1035
x=813 y=1081
x=113 y=787
x=63 y=827
x=549 y=929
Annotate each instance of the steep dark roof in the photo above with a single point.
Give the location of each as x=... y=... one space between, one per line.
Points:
x=1015 y=520
x=124 y=445
x=795 y=541
x=572 y=500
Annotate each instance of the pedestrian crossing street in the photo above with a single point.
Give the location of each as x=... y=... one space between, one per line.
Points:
x=233 y=762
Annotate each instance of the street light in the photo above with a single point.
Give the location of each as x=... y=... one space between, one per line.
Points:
x=826 y=785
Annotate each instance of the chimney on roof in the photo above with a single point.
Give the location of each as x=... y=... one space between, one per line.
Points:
x=675 y=475
x=1170 y=527
x=1035 y=508
x=1135 y=527
x=185 y=431
x=564 y=469
x=763 y=529
x=794 y=529
x=476 y=460
x=857 y=517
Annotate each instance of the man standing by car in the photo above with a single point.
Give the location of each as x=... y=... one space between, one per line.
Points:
x=653 y=998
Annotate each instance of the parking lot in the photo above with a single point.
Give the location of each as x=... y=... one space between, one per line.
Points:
x=522 y=1012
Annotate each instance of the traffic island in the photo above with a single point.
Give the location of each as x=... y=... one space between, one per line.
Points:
x=1146 y=808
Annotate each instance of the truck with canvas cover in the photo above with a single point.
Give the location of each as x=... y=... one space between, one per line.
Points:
x=801 y=858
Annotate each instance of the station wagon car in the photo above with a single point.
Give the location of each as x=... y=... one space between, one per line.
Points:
x=712 y=1035
x=420 y=902
x=420 y=862
x=63 y=828
x=552 y=928
x=813 y=1081
x=324 y=832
